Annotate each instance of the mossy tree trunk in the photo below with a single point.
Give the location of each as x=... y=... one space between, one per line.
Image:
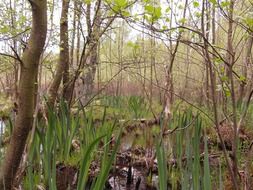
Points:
x=27 y=92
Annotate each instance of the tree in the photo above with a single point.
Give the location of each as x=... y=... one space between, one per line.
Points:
x=27 y=92
x=87 y=78
x=62 y=70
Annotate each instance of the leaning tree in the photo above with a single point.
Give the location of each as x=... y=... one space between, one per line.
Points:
x=27 y=91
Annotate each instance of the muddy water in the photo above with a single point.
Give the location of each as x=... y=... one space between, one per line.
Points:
x=138 y=180
x=134 y=149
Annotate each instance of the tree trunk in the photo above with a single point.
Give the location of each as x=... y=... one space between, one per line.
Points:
x=246 y=70
x=231 y=62
x=15 y=48
x=62 y=70
x=73 y=34
x=29 y=71
x=169 y=89
x=86 y=84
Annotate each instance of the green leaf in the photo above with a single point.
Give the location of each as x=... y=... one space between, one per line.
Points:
x=4 y=29
x=207 y=174
x=197 y=14
x=149 y=9
x=242 y=78
x=225 y=4
x=217 y=61
x=164 y=27
x=182 y=20
x=162 y=166
x=121 y=3
x=154 y=12
x=87 y=1
x=158 y=12
x=249 y=21
x=167 y=20
x=167 y=10
x=125 y=13
x=224 y=78
x=213 y=1
x=195 y=4
x=85 y=163
x=228 y=93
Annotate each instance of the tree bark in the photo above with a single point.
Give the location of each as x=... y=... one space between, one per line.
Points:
x=231 y=61
x=62 y=70
x=246 y=70
x=169 y=89
x=86 y=84
x=73 y=34
x=27 y=91
x=208 y=60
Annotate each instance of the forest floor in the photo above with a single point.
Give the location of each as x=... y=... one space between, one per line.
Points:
x=189 y=145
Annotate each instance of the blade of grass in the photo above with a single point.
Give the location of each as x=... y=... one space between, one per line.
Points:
x=83 y=173
x=162 y=166
x=207 y=175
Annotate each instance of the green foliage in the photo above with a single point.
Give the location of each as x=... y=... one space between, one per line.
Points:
x=52 y=144
x=248 y=21
x=33 y=177
x=91 y=138
x=119 y=6
x=186 y=150
x=196 y=154
x=66 y=129
x=195 y=4
x=225 y=4
x=162 y=166
x=213 y=1
x=121 y=3
x=85 y=164
x=125 y=107
x=135 y=47
x=182 y=21
x=107 y=161
x=207 y=175
x=154 y=13
x=137 y=105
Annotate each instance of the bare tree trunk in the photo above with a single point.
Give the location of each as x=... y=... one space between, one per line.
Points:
x=120 y=41
x=246 y=71
x=213 y=38
x=15 y=48
x=63 y=64
x=207 y=32
x=169 y=89
x=231 y=61
x=78 y=40
x=87 y=79
x=73 y=34
x=78 y=33
x=187 y=62
x=29 y=72
x=92 y=34
x=144 y=59
x=152 y=63
x=214 y=97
